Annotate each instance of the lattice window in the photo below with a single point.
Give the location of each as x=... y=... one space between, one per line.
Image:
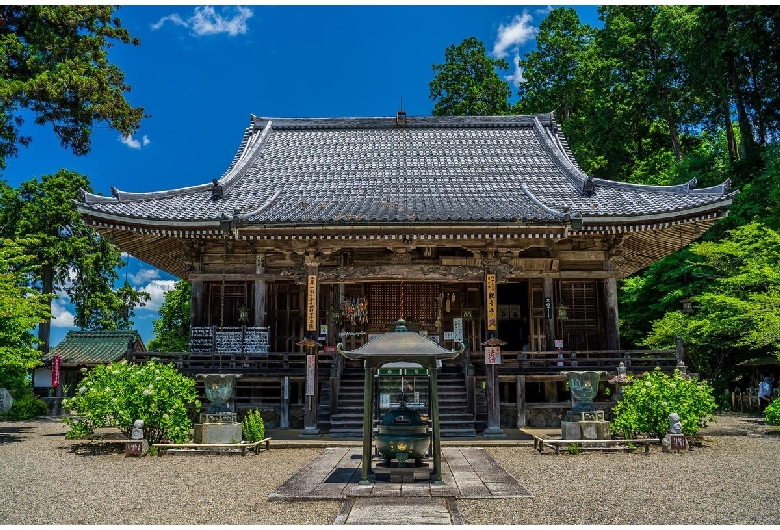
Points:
x=385 y=303
x=581 y=327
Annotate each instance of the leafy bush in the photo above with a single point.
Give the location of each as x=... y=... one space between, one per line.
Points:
x=772 y=413
x=253 y=426
x=116 y=395
x=26 y=407
x=648 y=401
x=573 y=449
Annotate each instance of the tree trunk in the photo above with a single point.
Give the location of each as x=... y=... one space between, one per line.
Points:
x=44 y=328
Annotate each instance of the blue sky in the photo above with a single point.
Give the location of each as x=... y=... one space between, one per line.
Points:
x=200 y=72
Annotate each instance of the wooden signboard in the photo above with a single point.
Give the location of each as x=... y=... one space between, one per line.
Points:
x=311 y=304
x=492 y=307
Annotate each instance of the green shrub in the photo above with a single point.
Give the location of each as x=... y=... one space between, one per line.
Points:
x=573 y=449
x=772 y=413
x=26 y=407
x=253 y=426
x=116 y=395
x=648 y=401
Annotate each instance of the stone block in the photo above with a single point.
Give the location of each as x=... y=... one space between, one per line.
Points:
x=570 y=430
x=217 y=433
x=136 y=447
x=595 y=430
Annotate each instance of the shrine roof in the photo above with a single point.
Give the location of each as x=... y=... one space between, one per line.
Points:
x=351 y=171
x=94 y=347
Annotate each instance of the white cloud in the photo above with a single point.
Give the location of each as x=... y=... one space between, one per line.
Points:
x=144 y=275
x=62 y=317
x=206 y=21
x=514 y=35
x=157 y=290
x=131 y=142
x=516 y=77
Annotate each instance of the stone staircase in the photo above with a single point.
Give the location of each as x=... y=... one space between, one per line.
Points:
x=348 y=422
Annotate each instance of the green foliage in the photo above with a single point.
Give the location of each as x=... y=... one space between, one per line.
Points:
x=26 y=407
x=737 y=309
x=573 y=449
x=467 y=84
x=772 y=412
x=68 y=254
x=116 y=395
x=21 y=309
x=648 y=400
x=172 y=329
x=55 y=66
x=253 y=426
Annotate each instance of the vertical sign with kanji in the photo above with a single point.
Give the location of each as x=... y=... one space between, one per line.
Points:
x=310 y=360
x=492 y=322
x=492 y=355
x=311 y=307
x=55 y=370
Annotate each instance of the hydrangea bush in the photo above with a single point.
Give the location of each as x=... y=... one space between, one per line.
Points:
x=772 y=412
x=649 y=399
x=117 y=394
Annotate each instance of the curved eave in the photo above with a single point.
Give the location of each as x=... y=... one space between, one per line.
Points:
x=400 y=346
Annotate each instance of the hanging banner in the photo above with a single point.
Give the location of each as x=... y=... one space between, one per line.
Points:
x=55 y=370
x=310 y=360
x=311 y=308
x=457 y=329
x=490 y=283
x=492 y=355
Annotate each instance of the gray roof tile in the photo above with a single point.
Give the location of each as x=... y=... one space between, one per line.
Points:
x=367 y=170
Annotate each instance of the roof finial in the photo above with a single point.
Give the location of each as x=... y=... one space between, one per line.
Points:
x=400 y=116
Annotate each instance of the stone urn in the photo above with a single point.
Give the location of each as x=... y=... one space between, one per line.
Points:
x=583 y=386
x=218 y=389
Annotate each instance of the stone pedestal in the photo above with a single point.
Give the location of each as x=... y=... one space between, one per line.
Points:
x=673 y=442
x=217 y=433
x=136 y=447
x=587 y=425
x=392 y=473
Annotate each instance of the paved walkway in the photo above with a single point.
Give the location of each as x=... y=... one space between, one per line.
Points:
x=467 y=473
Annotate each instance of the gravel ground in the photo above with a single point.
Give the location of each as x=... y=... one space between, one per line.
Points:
x=730 y=479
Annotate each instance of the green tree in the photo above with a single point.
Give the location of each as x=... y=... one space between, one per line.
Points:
x=117 y=394
x=172 y=329
x=552 y=74
x=737 y=309
x=21 y=309
x=70 y=255
x=54 y=64
x=467 y=83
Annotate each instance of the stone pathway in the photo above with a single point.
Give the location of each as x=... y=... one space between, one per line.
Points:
x=467 y=472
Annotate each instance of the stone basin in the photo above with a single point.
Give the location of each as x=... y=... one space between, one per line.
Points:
x=402 y=436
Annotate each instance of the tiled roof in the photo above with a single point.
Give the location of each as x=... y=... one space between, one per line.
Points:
x=94 y=347
x=464 y=170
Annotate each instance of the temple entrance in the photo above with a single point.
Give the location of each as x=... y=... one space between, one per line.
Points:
x=513 y=315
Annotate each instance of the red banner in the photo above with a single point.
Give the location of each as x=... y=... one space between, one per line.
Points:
x=55 y=370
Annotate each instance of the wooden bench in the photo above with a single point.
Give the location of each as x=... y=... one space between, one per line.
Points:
x=243 y=447
x=597 y=445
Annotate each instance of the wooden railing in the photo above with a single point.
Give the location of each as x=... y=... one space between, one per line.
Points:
x=272 y=364
x=545 y=362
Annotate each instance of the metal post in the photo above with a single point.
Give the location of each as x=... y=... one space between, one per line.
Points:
x=368 y=395
x=436 y=427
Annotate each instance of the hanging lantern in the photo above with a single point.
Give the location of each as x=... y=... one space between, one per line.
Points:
x=243 y=314
x=687 y=306
x=563 y=312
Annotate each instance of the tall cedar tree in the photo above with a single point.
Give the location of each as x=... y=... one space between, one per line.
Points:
x=54 y=64
x=467 y=84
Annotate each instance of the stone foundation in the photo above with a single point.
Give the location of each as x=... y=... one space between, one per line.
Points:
x=217 y=433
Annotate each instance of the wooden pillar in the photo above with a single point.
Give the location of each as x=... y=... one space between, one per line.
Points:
x=549 y=323
x=612 y=323
x=493 y=428
x=521 y=420
x=312 y=377
x=197 y=304
x=260 y=293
